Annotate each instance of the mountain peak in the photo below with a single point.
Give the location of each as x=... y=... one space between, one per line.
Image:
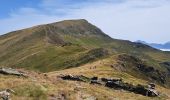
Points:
x=156 y=45
x=74 y=20
x=59 y=32
x=76 y=27
x=167 y=42
x=71 y=22
x=140 y=41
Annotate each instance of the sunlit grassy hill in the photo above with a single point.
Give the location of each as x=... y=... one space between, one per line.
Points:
x=73 y=43
x=77 y=47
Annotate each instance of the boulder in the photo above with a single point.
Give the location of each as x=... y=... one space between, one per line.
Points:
x=94 y=78
x=113 y=80
x=140 y=89
x=75 y=78
x=151 y=86
x=5 y=95
x=10 y=71
x=95 y=82
x=151 y=90
x=152 y=93
x=70 y=77
x=116 y=84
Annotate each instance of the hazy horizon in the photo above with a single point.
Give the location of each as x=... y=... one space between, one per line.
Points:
x=165 y=49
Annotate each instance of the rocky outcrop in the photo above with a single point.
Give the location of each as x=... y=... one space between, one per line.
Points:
x=74 y=77
x=10 y=71
x=94 y=80
x=116 y=83
x=134 y=65
x=139 y=89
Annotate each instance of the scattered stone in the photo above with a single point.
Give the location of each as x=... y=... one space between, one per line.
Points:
x=116 y=84
x=5 y=95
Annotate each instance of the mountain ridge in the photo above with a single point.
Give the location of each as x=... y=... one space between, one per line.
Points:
x=156 y=45
x=76 y=47
x=67 y=44
x=80 y=36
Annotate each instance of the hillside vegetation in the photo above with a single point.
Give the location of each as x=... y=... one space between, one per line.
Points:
x=78 y=47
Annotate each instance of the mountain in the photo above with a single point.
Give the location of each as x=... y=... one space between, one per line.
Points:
x=59 y=45
x=48 y=47
x=161 y=46
x=139 y=41
x=156 y=45
x=77 y=47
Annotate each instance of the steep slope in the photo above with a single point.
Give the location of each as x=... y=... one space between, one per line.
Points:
x=66 y=44
x=111 y=68
x=48 y=47
x=39 y=86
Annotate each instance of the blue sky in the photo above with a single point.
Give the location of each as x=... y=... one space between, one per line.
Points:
x=147 y=20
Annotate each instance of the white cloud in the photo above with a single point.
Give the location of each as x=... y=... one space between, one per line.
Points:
x=130 y=19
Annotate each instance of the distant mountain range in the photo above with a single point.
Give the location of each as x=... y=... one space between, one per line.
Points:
x=156 y=45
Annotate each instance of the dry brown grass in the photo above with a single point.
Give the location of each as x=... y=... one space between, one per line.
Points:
x=101 y=69
x=50 y=86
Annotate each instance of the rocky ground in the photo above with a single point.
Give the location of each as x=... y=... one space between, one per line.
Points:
x=50 y=86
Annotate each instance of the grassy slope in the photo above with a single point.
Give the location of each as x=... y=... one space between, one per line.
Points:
x=69 y=44
x=101 y=69
x=40 y=48
x=38 y=86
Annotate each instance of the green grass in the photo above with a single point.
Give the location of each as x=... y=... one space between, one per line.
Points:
x=30 y=48
x=33 y=91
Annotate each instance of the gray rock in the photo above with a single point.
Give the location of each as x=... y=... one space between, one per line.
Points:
x=95 y=82
x=10 y=71
x=152 y=93
x=75 y=78
x=94 y=78
x=5 y=95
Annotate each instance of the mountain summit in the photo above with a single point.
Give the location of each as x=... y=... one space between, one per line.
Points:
x=53 y=46
x=47 y=47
